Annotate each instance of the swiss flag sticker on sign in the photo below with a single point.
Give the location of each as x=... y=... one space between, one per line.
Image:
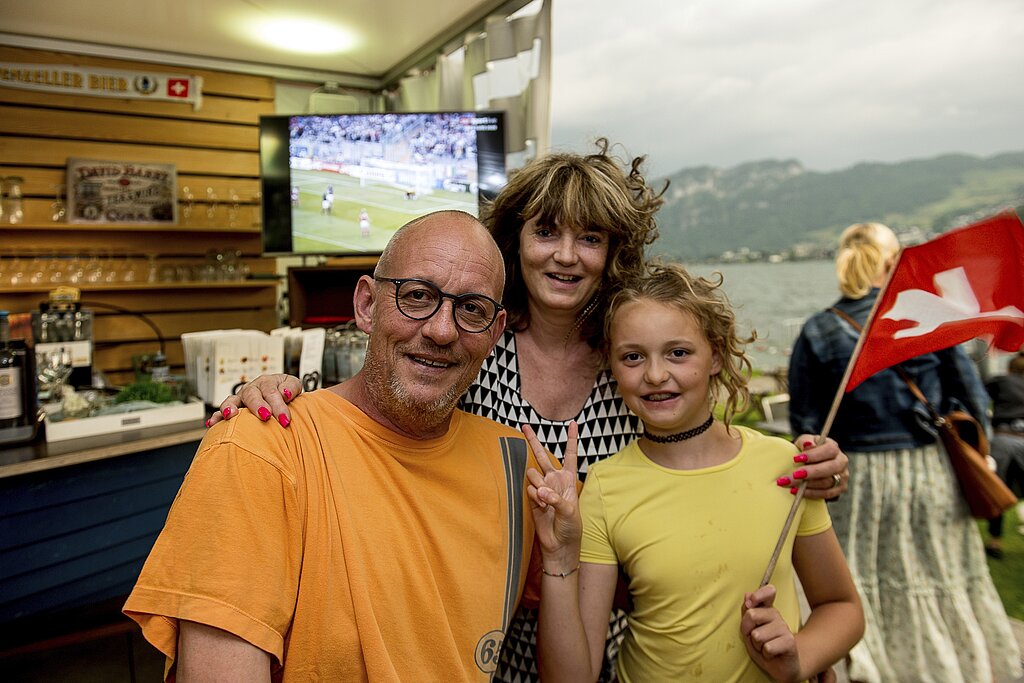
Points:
x=177 y=87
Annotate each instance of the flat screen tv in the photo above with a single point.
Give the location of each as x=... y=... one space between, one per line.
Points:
x=343 y=183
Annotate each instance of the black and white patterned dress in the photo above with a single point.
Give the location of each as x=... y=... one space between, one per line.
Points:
x=605 y=427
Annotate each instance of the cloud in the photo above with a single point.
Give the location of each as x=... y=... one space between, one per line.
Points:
x=828 y=82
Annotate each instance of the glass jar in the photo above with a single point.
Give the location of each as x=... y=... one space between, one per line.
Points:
x=13 y=208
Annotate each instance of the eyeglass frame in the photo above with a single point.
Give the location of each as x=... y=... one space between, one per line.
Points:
x=399 y=281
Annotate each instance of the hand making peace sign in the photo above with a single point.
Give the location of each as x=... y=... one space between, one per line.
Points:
x=553 y=496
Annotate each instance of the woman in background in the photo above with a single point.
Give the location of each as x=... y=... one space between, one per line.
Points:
x=1007 y=443
x=571 y=228
x=915 y=553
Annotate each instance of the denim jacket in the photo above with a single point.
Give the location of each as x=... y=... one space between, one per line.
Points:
x=881 y=413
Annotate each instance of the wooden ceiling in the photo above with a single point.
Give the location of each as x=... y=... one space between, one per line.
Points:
x=387 y=36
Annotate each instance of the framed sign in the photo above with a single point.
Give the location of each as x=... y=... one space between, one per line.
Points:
x=121 y=192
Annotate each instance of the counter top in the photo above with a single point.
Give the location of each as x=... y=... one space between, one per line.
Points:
x=40 y=455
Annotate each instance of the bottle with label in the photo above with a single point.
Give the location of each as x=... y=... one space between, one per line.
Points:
x=158 y=368
x=12 y=362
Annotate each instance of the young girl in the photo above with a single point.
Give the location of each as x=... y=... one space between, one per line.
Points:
x=682 y=514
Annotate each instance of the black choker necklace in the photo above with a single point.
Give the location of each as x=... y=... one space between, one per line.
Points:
x=681 y=436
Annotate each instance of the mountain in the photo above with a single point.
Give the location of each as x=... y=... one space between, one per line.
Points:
x=779 y=207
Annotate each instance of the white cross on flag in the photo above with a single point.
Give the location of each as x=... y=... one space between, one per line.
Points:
x=177 y=87
x=964 y=284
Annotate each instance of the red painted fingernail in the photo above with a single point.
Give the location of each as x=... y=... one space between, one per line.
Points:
x=287 y=394
x=263 y=413
x=794 y=490
x=800 y=458
x=283 y=419
x=783 y=481
x=808 y=444
x=800 y=474
x=207 y=423
x=226 y=411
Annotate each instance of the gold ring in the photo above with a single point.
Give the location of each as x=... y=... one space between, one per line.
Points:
x=836 y=480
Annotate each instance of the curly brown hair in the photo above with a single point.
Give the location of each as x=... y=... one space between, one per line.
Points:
x=704 y=299
x=591 y=191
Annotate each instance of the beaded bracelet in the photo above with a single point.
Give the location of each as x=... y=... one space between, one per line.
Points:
x=560 y=575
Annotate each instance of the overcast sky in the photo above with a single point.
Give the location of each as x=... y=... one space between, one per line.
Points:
x=828 y=82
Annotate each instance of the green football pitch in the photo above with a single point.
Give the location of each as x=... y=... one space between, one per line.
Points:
x=314 y=231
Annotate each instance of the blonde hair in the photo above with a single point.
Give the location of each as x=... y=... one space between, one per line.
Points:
x=704 y=299
x=865 y=250
x=596 y=191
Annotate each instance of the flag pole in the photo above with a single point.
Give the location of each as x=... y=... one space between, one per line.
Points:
x=836 y=400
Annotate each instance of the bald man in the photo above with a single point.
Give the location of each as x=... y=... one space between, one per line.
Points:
x=386 y=535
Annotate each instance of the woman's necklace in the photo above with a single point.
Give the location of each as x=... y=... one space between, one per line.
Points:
x=681 y=436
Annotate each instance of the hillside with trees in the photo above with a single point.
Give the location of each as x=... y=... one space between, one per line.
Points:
x=778 y=207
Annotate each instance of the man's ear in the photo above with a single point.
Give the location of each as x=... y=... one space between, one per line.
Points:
x=497 y=327
x=363 y=301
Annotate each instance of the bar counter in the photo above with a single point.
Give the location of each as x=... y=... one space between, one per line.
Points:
x=40 y=455
x=78 y=518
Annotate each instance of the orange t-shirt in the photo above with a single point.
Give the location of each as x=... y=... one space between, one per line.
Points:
x=344 y=550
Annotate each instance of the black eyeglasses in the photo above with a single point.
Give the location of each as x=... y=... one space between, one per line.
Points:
x=421 y=299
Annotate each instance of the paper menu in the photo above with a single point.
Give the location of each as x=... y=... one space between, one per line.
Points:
x=219 y=360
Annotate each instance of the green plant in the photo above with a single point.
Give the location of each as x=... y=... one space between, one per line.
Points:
x=145 y=391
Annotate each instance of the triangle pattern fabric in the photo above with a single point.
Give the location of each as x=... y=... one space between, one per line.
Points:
x=606 y=427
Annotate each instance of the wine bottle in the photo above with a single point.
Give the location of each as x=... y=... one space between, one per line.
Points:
x=12 y=362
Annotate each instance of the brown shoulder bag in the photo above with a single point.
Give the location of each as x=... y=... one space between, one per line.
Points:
x=967 y=447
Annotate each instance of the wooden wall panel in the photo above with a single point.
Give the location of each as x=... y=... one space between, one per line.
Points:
x=221 y=109
x=214 y=147
x=146 y=298
x=57 y=123
x=24 y=150
x=43 y=182
x=111 y=327
x=196 y=215
x=127 y=241
x=118 y=358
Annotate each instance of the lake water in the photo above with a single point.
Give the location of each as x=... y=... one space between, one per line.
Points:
x=775 y=299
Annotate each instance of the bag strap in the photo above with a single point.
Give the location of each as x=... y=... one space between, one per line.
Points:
x=911 y=384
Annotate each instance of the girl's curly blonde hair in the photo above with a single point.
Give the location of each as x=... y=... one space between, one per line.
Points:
x=704 y=299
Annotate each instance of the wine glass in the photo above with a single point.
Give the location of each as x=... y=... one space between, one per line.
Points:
x=152 y=272
x=257 y=199
x=111 y=269
x=58 y=210
x=186 y=210
x=211 y=206
x=130 y=269
x=75 y=273
x=56 y=270
x=233 y=209
x=94 y=268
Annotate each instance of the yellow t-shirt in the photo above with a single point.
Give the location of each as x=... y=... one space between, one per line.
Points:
x=691 y=543
x=344 y=550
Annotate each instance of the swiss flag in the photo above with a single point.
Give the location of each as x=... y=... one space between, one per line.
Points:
x=177 y=87
x=964 y=284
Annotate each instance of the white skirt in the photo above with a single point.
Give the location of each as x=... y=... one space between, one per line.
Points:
x=917 y=558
